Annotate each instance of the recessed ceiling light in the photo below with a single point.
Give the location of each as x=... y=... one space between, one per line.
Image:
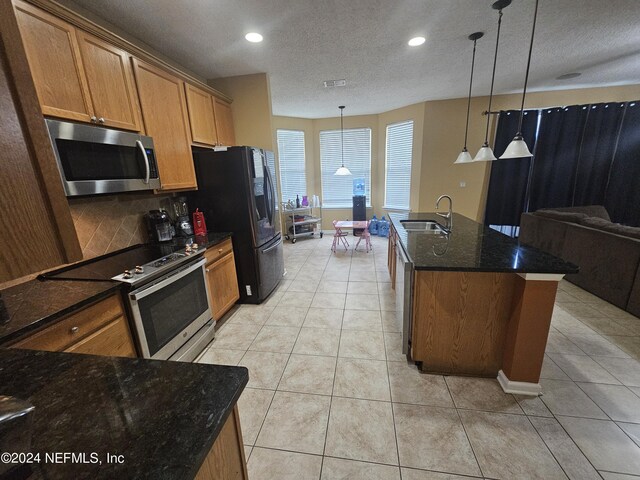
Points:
x=415 y=41
x=253 y=37
x=568 y=76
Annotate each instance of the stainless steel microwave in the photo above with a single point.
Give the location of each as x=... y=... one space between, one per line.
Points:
x=94 y=160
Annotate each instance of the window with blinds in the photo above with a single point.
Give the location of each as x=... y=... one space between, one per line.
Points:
x=337 y=191
x=293 y=177
x=399 y=150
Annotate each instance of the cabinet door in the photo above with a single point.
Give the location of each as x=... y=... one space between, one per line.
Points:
x=54 y=60
x=110 y=79
x=223 y=285
x=201 y=116
x=224 y=122
x=114 y=340
x=164 y=111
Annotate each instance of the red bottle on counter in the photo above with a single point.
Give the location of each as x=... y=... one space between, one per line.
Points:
x=199 y=227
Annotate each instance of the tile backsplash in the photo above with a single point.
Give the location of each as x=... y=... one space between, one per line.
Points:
x=111 y=222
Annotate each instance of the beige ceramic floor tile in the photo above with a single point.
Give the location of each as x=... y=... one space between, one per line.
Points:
x=268 y=464
x=362 y=320
x=361 y=430
x=367 y=379
x=607 y=326
x=388 y=302
x=363 y=288
x=251 y=315
x=393 y=347
x=221 y=357
x=617 y=476
x=328 y=300
x=626 y=370
x=596 y=345
x=265 y=368
x=324 y=318
x=308 y=374
x=253 y=406
x=617 y=401
x=287 y=316
x=558 y=343
x=340 y=469
x=414 y=474
x=296 y=299
x=533 y=406
x=329 y=286
x=275 y=339
x=551 y=370
x=568 y=455
x=631 y=345
x=433 y=438
x=632 y=430
x=566 y=398
x=362 y=274
x=317 y=341
x=296 y=422
x=582 y=368
x=235 y=337
x=361 y=344
x=604 y=444
x=507 y=446
x=581 y=310
x=408 y=385
x=362 y=302
x=304 y=285
x=481 y=394
x=390 y=322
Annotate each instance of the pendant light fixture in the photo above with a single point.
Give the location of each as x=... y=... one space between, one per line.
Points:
x=342 y=170
x=485 y=154
x=465 y=156
x=518 y=147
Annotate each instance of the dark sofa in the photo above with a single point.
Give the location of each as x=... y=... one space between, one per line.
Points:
x=607 y=253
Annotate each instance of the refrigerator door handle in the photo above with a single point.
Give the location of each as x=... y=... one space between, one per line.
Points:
x=275 y=245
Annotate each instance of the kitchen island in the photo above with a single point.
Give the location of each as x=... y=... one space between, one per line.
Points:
x=153 y=419
x=474 y=301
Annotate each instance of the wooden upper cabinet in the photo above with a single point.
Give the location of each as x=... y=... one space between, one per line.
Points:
x=110 y=79
x=55 y=63
x=201 y=116
x=224 y=122
x=164 y=111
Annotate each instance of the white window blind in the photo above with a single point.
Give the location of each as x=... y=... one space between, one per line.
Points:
x=293 y=177
x=337 y=191
x=398 y=165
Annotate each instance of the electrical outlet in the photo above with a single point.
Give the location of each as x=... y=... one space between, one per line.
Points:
x=463 y=184
x=248 y=290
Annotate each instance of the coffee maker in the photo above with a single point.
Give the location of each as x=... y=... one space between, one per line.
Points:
x=183 y=228
x=159 y=226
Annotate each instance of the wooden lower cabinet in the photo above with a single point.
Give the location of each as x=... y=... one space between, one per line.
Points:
x=100 y=329
x=226 y=460
x=223 y=284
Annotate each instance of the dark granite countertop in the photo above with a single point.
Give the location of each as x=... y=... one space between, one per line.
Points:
x=31 y=305
x=472 y=247
x=214 y=238
x=162 y=416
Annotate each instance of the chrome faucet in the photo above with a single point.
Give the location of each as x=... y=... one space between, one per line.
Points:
x=449 y=215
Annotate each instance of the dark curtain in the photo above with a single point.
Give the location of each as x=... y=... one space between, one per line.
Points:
x=622 y=198
x=509 y=178
x=598 y=146
x=556 y=157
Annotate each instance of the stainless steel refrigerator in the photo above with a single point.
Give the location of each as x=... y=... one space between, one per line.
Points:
x=237 y=193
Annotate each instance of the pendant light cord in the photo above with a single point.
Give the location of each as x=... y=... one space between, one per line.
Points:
x=526 y=75
x=341 y=136
x=473 y=61
x=493 y=75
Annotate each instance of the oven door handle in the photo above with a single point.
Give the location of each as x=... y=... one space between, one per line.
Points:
x=272 y=246
x=146 y=161
x=163 y=282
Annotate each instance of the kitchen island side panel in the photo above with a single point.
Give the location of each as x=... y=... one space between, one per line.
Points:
x=460 y=321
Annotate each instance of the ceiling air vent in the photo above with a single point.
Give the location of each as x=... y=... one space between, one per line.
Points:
x=334 y=83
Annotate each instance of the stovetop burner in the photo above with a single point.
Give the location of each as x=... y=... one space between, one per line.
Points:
x=131 y=265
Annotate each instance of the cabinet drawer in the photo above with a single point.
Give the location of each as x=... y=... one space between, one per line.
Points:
x=75 y=327
x=218 y=251
x=113 y=339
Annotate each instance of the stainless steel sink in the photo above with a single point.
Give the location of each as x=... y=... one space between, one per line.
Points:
x=423 y=226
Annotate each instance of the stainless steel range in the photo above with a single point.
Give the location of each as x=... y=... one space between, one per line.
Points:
x=166 y=293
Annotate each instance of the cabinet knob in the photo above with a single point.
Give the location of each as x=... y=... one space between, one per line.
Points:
x=101 y=120
x=94 y=119
x=207 y=270
x=74 y=329
x=219 y=250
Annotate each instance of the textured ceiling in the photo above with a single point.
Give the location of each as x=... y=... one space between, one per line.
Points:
x=365 y=42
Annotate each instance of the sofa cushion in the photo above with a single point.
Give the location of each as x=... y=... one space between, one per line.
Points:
x=595 y=222
x=571 y=217
x=633 y=232
x=589 y=210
